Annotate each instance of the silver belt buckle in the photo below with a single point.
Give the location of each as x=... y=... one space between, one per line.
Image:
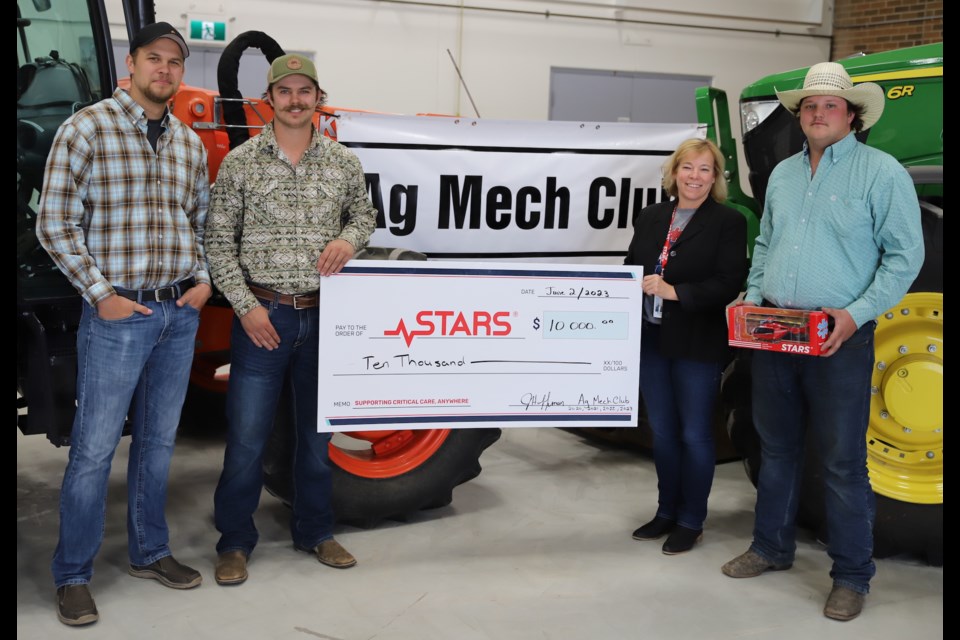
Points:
x=165 y=293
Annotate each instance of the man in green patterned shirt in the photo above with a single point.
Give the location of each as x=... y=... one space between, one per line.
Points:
x=288 y=207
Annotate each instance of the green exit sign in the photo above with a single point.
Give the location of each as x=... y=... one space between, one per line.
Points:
x=208 y=30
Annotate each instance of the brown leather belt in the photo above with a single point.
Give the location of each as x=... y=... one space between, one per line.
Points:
x=295 y=300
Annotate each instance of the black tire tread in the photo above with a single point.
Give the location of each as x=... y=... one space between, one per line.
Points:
x=365 y=502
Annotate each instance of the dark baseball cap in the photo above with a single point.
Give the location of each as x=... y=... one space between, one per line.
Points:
x=157 y=30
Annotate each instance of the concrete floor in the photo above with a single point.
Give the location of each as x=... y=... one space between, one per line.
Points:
x=537 y=547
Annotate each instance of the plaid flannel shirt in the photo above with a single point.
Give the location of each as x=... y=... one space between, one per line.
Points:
x=114 y=212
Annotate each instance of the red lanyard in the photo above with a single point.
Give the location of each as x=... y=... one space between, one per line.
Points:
x=672 y=236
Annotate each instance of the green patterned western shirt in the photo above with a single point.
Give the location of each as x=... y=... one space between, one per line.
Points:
x=269 y=220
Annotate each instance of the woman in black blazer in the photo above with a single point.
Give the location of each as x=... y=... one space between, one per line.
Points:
x=694 y=255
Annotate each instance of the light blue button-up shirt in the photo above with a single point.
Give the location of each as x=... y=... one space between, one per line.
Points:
x=847 y=237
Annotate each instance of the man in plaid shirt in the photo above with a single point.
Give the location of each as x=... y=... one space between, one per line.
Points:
x=122 y=214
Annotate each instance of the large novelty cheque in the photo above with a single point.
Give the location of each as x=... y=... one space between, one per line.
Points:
x=461 y=344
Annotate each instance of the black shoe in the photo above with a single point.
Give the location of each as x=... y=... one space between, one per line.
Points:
x=656 y=528
x=169 y=573
x=682 y=540
x=75 y=605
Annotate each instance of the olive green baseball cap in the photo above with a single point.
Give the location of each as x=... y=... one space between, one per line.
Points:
x=291 y=64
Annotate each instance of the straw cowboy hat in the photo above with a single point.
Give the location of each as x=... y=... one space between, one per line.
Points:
x=831 y=79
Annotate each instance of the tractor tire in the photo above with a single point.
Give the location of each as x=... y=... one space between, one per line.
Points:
x=903 y=527
x=900 y=528
x=736 y=406
x=400 y=474
x=905 y=434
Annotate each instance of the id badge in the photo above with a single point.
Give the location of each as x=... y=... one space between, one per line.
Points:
x=657 y=307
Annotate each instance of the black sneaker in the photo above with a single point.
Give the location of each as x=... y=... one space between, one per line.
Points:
x=169 y=573
x=75 y=606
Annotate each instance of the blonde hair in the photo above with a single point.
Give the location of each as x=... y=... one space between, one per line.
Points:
x=695 y=146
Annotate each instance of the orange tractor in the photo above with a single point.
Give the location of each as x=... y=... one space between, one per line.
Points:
x=65 y=63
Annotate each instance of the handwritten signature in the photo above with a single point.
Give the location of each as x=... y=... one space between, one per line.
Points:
x=539 y=401
x=544 y=401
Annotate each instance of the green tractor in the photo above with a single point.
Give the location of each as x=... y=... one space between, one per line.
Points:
x=905 y=434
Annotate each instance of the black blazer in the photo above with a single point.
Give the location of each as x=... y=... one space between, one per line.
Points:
x=707 y=267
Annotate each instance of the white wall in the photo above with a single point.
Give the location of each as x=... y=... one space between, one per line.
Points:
x=392 y=57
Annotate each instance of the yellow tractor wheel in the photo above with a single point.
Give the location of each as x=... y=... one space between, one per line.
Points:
x=905 y=435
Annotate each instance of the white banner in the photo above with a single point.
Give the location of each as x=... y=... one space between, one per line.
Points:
x=461 y=188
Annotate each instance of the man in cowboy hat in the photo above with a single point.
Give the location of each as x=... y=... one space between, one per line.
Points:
x=840 y=232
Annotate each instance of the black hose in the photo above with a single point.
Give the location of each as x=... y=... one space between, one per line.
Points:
x=228 y=70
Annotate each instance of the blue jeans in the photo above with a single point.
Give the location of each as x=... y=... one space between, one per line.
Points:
x=140 y=363
x=256 y=380
x=680 y=396
x=831 y=396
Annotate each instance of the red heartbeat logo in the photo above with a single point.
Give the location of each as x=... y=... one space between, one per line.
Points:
x=408 y=336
